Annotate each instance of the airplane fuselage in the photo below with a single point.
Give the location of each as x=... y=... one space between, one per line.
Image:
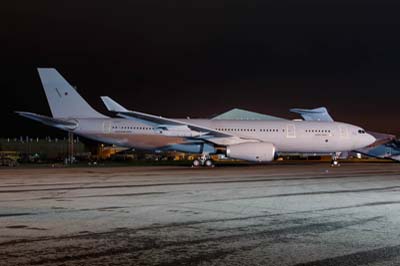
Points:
x=287 y=136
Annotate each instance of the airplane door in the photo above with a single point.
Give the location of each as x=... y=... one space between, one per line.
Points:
x=343 y=132
x=107 y=127
x=291 y=131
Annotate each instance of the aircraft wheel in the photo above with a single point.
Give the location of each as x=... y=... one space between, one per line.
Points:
x=209 y=163
x=335 y=163
x=196 y=163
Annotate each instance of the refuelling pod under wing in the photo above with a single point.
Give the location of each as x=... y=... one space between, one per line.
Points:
x=253 y=152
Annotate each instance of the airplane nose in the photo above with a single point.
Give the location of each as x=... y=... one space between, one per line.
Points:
x=370 y=139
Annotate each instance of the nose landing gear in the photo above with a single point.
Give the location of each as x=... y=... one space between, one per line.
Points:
x=335 y=163
x=335 y=157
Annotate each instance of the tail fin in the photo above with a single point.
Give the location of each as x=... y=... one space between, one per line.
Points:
x=317 y=114
x=64 y=100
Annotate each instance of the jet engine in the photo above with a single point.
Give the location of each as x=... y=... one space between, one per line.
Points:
x=254 y=152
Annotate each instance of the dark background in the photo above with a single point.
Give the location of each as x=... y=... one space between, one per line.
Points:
x=199 y=58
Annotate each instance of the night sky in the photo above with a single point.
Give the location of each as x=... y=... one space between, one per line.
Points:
x=200 y=58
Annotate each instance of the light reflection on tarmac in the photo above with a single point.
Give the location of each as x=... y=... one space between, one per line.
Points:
x=308 y=214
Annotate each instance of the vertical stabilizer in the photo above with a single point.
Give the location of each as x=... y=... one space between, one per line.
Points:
x=64 y=100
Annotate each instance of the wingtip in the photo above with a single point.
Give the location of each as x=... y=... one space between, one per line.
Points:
x=112 y=105
x=20 y=112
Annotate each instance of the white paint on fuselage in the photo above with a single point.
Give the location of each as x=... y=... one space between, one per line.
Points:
x=287 y=136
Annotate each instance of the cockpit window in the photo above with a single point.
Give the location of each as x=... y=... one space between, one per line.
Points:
x=361 y=131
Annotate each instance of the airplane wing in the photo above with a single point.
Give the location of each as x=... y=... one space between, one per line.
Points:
x=317 y=114
x=200 y=132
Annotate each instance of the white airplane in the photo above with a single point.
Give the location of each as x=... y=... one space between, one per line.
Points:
x=386 y=145
x=238 y=134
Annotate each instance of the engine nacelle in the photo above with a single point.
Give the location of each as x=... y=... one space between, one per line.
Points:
x=254 y=152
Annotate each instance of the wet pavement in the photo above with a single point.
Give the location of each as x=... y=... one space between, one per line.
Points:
x=308 y=214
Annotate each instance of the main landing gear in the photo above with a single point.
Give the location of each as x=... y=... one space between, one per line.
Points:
x=203 y=160
x=335 y=157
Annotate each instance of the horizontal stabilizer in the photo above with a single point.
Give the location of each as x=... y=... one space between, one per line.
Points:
x=381 y=138
x=49 y=121
x=317 y=114
x=396 y=158
x=389 y=149
x=240 y=114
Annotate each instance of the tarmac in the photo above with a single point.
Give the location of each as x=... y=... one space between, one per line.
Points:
x=279 y=214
